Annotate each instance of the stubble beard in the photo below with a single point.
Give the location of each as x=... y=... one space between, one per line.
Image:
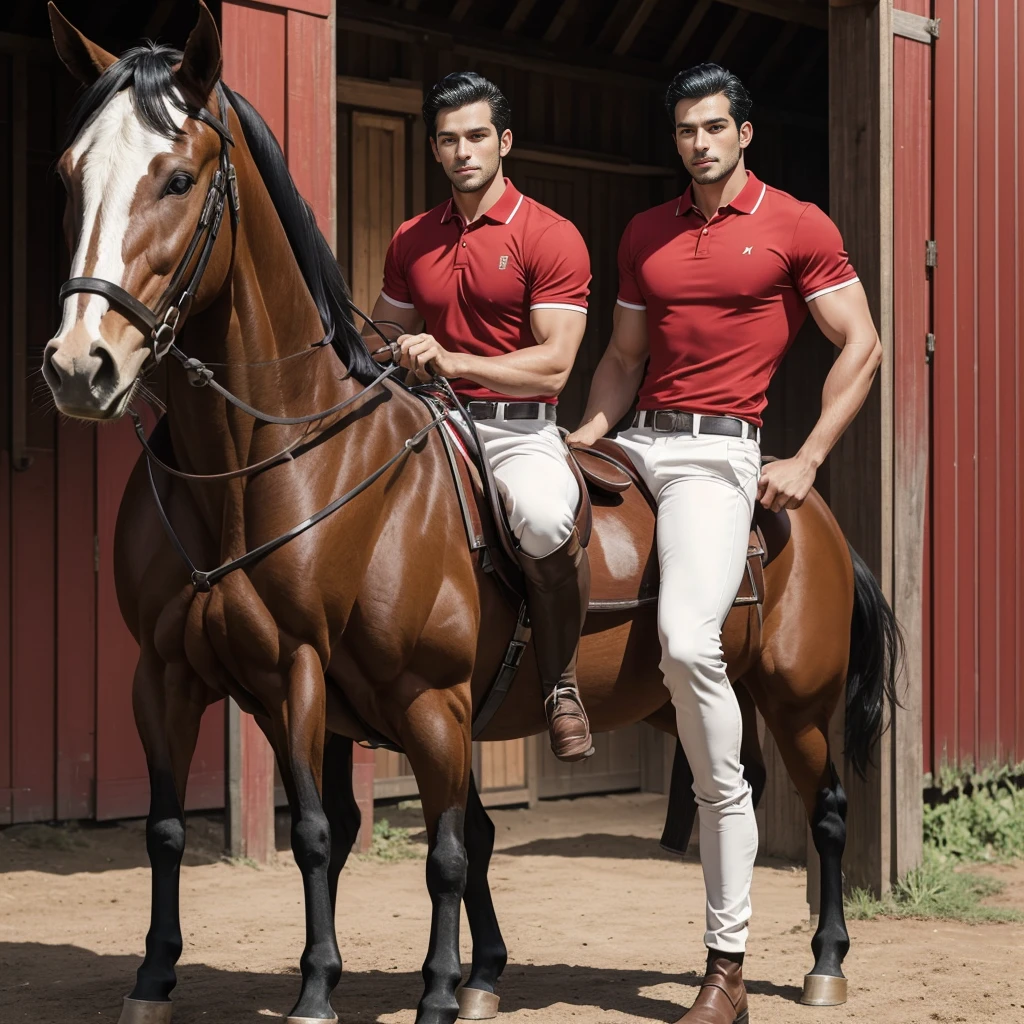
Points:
x=716 y=172
x=475 y=184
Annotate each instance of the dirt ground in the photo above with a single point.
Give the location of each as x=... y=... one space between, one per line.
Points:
x=600 y=925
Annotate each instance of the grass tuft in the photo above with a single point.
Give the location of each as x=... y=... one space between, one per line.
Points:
x=393 y=843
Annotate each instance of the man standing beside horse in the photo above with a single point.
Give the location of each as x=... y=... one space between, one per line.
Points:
x=713 y=287
x=500 y=282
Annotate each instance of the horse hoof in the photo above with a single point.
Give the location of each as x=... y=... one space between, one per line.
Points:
x=823 y=990
x=476 y=1004
x=312 y=1020
x=144 y=1011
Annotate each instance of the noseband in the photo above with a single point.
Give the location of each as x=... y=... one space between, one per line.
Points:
x=165 y=321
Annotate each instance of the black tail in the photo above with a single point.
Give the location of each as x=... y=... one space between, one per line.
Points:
x=876 y=657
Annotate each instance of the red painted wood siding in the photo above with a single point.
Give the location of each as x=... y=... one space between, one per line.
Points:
x=976 y=708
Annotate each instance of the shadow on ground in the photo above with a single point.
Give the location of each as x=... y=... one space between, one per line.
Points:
x=592 y=844
x=71 y=984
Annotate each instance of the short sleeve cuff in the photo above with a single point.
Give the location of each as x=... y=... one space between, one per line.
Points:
x=575 y=307
x=817 y=294
x=630 y=305
x=394 y=302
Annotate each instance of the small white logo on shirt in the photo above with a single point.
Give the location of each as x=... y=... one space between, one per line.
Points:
x=749 y=249
x=502 y=262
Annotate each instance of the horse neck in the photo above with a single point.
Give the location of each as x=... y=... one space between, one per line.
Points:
x=264 y=312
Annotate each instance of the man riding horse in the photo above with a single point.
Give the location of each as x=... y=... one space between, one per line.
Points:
x=500 y=283
x=713 y=287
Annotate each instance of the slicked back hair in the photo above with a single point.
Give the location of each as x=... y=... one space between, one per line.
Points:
x=703 y=80
x=461 y=88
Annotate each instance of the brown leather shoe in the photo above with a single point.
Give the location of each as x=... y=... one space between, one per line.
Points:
x=557 y=595
x=722 y=998
x=567 y=724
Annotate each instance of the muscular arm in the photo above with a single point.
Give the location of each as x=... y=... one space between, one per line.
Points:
x=383 y=310
x=618 y=375
x=844 y=318
x=540 y=369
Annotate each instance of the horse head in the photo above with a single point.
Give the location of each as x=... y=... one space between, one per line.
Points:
x=146 y=174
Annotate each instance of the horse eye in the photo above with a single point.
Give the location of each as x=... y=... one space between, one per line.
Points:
x=179 y=185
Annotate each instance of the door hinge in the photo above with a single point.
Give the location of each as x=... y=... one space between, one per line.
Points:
x=95 y=553
x=931 y=254
x=915 y=26
x=929 y=347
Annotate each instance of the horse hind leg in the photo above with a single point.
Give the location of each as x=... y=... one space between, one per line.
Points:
x=339 y=802
x=477 y=998
x=806 y=756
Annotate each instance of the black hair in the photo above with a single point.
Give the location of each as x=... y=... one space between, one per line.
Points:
x=461 y=88
x=705 y=80
x=148 y=69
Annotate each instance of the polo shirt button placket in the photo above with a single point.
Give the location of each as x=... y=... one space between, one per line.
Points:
x=703 y=248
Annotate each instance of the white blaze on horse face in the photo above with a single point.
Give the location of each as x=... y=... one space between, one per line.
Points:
x=117 y=150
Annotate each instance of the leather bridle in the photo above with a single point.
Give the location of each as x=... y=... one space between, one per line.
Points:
x=164 y=323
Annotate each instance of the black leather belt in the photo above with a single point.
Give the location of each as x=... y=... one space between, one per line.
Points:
x=512 y=411
x=672 y=421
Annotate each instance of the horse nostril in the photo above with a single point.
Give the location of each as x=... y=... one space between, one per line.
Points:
x=51 y=371
x=104 y=379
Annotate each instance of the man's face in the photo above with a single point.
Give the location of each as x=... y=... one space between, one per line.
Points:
x=708 y=139
x=468 y=147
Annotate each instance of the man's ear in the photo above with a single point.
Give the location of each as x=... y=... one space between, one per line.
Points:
x=83 y=58
x=202 y=62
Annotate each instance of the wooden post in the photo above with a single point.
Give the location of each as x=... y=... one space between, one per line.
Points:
x=860 y=172
x=249 y=800
x=362 y=789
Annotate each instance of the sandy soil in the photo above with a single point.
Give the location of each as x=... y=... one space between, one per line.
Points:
x=600 y=925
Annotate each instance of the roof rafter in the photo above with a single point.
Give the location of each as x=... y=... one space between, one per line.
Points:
x=560 y=20
x=637 y=22
x=725 y=40
x=787 y=10
x=690 y=26
x=519 y=14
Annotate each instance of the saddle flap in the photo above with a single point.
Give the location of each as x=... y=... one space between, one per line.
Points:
x=601 y=473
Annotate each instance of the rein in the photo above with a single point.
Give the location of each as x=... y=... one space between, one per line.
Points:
x=165 y=322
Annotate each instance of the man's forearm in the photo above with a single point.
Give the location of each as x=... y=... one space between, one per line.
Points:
x=536 y=370
x=846 y=387
x=612 y=392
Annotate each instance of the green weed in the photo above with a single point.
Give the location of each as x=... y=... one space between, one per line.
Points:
x=393 y=844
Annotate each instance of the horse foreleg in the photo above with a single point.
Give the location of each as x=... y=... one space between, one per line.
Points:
x=168 y=702
x=477 y=998
x=437 y=743
x=299 y=743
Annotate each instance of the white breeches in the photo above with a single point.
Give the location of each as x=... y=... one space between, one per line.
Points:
x=539 y=490
x=706 y=487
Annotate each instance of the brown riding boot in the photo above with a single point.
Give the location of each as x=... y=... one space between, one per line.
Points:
x=557 y=593
x=722 y=998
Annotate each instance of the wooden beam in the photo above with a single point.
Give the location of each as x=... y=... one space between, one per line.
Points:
x=860 y=467
x=686 y=33
x=364 y=92
x=519 y=14
x=591 y=163
x=786 y=10
x=560 y=20
x=249 y=800
x=19 y=229
x=725 y=40
x=637 y=22
x=460 y=10
x=771 y=59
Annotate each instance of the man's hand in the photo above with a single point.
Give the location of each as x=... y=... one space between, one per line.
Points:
x=786 y=483
x=424 y=355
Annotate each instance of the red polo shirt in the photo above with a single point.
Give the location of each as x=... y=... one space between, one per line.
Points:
x=726 y=297
x=474 y=285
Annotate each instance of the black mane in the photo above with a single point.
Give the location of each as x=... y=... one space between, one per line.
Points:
x=147 y=69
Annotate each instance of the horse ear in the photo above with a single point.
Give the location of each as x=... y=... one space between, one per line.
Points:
x=83 y=58
x=201 y=64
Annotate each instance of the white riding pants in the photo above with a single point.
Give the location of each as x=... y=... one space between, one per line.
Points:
x=706 y=486
x=539 y=490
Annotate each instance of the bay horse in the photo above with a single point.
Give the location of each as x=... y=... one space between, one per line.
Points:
x=344 y=598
